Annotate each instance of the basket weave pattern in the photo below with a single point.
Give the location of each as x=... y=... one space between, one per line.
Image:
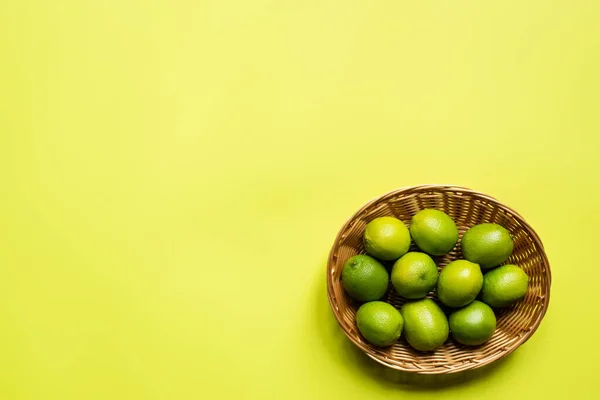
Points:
x=515 y=324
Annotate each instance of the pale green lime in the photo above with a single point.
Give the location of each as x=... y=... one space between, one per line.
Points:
x=425 y=324
x=459 y=283
x=386 y=238
x=504 y=286
x=433 y=231
x=414 y=275
x=487 y=245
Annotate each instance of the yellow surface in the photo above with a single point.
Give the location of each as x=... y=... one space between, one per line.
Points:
x=173 y=173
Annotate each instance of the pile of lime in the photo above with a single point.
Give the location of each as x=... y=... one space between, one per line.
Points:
x=467 y=294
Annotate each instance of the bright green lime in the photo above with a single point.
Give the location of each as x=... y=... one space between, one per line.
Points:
x=425 y=324
x=365 y=278
x=414 y=275
x=386 y=238
x=380 y=323
x=433 y=231
x=487 y=245
x=474 y=324
x=504 y=286
x=459 y=283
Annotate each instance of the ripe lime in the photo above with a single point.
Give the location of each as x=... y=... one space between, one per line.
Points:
x=473 y=324
x=425 y=325
x=504 y=285
x=364 y=278
x=433 y=231
x=459 y=283
x=487 y=245
x=414 y=275
x=379 y=323
x=386 y=238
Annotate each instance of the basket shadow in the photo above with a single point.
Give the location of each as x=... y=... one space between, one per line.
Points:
x=417 y=382
x=351 y=355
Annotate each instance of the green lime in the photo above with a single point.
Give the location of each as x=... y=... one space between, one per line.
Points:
x=504 y=286
x=433 y=231
x=414 y=275
x=459 y=283
x=386 y=238
x=425 y=324
x=364 y=278
x=487 y=245
x=474 y=324
x=380 y=323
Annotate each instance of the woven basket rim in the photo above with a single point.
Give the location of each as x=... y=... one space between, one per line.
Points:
x=440 y=187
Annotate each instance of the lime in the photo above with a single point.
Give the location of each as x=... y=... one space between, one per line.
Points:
x=504 y=285
x=425 y=325
x=473 y=324
x=364 y=278
x=379 y=323
x=459 y=283
x=487 y=245
x=386 y=238
x=433 y=231
x=414 y=275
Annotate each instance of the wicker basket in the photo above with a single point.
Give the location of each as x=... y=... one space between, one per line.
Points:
x=515 y=324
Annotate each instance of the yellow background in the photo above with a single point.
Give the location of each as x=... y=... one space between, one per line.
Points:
x=173 y=173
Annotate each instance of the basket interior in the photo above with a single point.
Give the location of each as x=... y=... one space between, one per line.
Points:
x=467 y=208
